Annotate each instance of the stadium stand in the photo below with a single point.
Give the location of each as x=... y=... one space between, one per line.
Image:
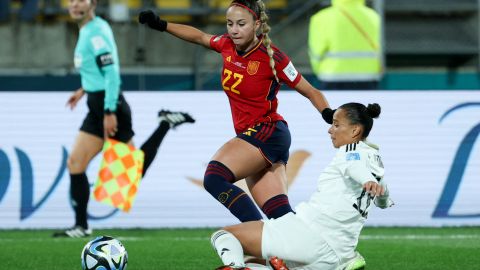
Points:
x=431 y=32
x=433 y=36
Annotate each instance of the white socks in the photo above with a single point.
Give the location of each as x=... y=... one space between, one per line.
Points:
x=228 y=248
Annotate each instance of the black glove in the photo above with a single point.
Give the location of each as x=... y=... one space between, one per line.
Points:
x=327 y=115
x=152 y=20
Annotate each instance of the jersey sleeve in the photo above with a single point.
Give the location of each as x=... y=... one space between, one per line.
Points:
x=217 y=42
x=384 y=201
x=357 y=167
x=105 y=61
x=286 y=71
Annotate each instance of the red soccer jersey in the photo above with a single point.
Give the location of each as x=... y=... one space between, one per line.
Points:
x=249 y=82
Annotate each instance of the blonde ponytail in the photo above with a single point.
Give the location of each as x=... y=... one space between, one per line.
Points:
x=265 y=28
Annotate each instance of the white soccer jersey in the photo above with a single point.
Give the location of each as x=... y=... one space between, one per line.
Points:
x=338 y=208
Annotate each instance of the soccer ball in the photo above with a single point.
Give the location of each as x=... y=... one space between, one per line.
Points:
x=104 y=253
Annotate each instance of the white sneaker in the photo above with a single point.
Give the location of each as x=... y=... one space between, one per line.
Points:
x=75 y=232
x=355 y=263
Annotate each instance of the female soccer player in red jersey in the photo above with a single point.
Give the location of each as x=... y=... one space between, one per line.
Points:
x=253 y=70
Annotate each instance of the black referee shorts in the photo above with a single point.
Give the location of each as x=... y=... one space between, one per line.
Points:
x=93 y=122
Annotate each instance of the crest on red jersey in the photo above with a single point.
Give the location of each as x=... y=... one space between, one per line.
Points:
x=252 y=67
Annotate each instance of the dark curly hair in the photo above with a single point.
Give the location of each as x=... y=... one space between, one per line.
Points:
x=359 y=114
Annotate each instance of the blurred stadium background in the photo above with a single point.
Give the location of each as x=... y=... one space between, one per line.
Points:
x=428 y=44
x=428 y=132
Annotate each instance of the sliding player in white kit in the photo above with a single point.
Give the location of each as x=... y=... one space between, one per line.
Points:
x=324 y=231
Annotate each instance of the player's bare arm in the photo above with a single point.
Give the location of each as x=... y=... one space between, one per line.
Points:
x=314 y=95
x=189 y=33
x=182 y=31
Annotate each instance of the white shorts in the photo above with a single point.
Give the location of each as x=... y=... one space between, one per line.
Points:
x=290 y=239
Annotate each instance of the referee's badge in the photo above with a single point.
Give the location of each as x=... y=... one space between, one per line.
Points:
x=252 y=67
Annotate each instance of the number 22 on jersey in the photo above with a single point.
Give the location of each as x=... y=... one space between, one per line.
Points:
x=230 y=75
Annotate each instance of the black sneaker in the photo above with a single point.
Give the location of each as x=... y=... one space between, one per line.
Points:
x=175 y=118
x=75 y=232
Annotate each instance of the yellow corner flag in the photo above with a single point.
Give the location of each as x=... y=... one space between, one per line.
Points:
x=119 y=175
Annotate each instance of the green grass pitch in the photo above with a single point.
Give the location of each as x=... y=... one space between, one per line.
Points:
x=182 y=249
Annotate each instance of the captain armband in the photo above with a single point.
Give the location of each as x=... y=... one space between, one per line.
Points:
x=104 y=59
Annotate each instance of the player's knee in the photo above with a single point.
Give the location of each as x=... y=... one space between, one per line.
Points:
x=216 y=175
x=209 y=183
x=71 y=163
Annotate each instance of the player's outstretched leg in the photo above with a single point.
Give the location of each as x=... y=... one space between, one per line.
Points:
x=229 y=249
x=218 y=182
x=167 y=120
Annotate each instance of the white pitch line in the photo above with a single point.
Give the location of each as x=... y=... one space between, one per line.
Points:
x=179 y=239
x=121 y=238
x=362 y=237
x=184 y=239
x=419 y=236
